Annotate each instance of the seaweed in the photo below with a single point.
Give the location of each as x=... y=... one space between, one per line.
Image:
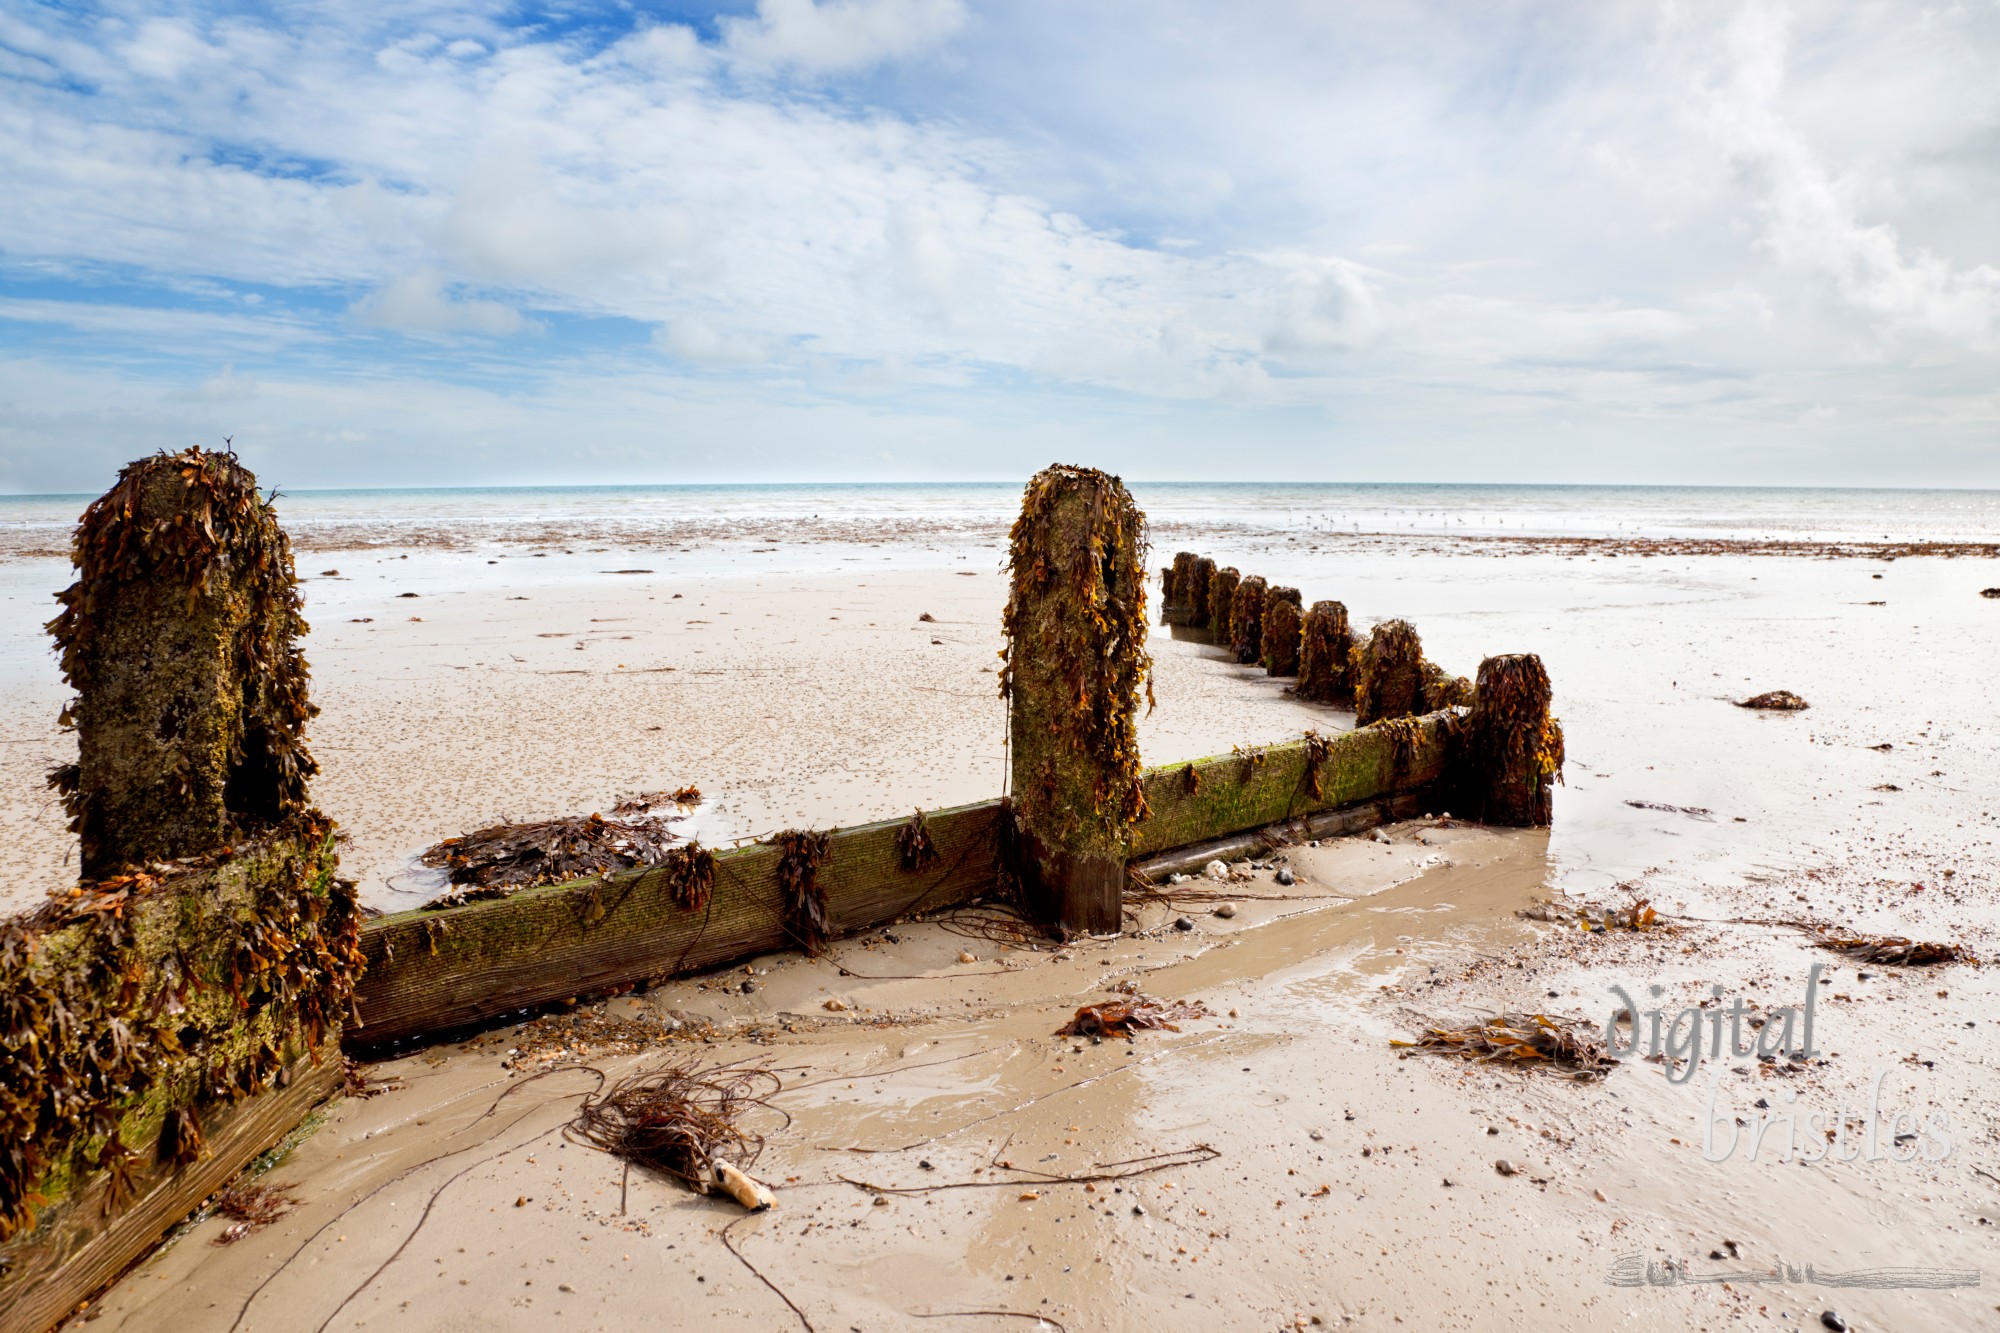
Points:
x=1388 y=678
x=1325 y=646
x=805 y=919
x=1122 y=1018
x=915 y=852
x=1076 y=662
x=549 y=851
x=1441 y=689
x=1778 y=701
x=1523 y=1039
x=682 y=1120
x=1318 y=747
x=1894 y=950
x=1516 y=743
x=1282 y=628
x=1177 y=587
x=1246 y=619
x=127 y=1003
x=180 y=637
x=690 y=874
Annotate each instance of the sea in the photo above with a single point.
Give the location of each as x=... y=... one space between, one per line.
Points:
x=625 y=515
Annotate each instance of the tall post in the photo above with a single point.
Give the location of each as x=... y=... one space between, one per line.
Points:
x=1176 y=582
x=1196 y=592
x=1389 y=680
x=1221 y=602
x=1517 y=746
x=180 y=639
x=1325 y=674
x=1076 y=664
x=1280 y=651
x=1246 y=619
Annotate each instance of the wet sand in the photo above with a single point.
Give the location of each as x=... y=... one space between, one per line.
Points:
x=1329 y=1197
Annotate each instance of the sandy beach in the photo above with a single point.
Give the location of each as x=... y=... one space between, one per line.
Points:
x=1324 y=1173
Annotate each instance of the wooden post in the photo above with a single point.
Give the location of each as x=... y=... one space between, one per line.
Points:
x=180 y=639
x=1177 y=582
x=1280 y=651
x=1325 y=643
x=1222 y=602
x=1196 y=594
x=1517 y=747
x=1246 y=619
x=1389 y=681
x=162 y=1028
x=1076 y=663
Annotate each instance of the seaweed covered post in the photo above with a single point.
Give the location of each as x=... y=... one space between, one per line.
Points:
x=1246 y=619
x=1325 y=642
x=180 y=637
x=1280 y=652
x=1076 y=666
x=1516 y=746
x=1176 y=582
x=1388 y=676
x=1195 y=592
x=171 y=1015
x=1222 y=602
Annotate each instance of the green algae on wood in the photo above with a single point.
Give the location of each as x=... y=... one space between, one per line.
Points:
x=1076 y=668
x=180 y=637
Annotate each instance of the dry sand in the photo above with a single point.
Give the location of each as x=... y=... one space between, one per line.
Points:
x=1351 y=1185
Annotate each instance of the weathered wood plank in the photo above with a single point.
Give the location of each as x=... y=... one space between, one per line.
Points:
x=74 y=1250
x=430 y=972
x=1234 y=792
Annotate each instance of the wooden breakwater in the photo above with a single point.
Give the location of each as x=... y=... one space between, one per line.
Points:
x=181 y=1010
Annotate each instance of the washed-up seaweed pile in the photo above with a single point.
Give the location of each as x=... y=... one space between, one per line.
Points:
x=1894 y=950
x=1076 y=662
x=504 y=858
x=1122 y=1018
x=1521 y=1039
x=181 y=556
x=682 y=1120
x=131 y=1006
x=1776 y=701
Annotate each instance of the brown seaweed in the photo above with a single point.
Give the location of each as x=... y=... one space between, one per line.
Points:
x=681 y=1119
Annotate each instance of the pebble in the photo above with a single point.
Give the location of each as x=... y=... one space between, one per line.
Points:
x=836 y=1004
x=967 y=958
x=1286 y=877
x=1506 y=1168
x=1225 y=910
x=1183 y=923
x=1216 y=870
x=747 y=987
x=1378 y=835
x=1833 y=1321
x=1316 y=1137
x=1137 y=1211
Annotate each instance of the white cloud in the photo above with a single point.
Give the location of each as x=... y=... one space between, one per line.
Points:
x=693 y=339
x=418 y=303
x=821 y=36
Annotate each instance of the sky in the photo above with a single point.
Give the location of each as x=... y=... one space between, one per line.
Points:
x=438 y=242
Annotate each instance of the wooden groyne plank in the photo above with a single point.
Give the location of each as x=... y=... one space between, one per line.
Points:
x=1231 y=793
x=431 y=972
x=75 y=1249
